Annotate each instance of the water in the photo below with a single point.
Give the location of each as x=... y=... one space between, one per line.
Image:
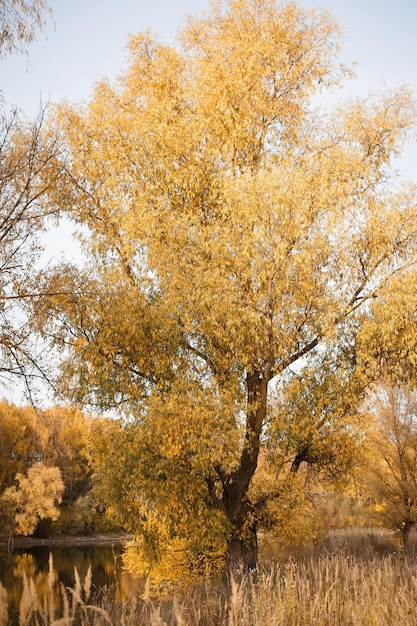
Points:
x=43 y=563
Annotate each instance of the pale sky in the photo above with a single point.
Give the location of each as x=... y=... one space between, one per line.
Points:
x=89 y=39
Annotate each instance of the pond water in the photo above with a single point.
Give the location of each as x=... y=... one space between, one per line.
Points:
x=44 y=565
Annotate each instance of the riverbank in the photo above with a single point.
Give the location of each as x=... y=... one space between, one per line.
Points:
x=63 y=541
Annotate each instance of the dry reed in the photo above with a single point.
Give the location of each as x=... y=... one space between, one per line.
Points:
x=329 y=590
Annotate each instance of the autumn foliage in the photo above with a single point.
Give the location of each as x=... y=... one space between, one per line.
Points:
x=45 y=461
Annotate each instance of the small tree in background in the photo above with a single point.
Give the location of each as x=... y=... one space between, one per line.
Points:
x=35 y=498
x=393 y=464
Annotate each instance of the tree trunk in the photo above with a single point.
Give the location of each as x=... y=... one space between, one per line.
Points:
x=405 y=533
x=242 y=550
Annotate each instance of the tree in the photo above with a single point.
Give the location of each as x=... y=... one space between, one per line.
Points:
x=66 y=445
x=234 y=230
x=36 y=498
x=19 y=442
x=393 y=465
x=58 y=437
x=28 y=168
x=19 y=22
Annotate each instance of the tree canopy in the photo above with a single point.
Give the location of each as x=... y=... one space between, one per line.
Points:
x=236 y=228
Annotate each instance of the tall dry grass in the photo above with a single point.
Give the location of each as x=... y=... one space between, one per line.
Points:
x=318 y=589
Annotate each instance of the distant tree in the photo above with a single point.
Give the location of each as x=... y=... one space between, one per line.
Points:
x=66 y=444
x=35 y=498
x=392 y=470
x=19 y=22
x=233 y=230
x=19 y=442
x=58 y=437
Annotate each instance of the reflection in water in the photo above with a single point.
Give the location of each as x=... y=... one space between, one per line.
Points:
x=48 y=567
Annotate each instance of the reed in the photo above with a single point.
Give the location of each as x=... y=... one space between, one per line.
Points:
x=323 y=589
x=3 y=606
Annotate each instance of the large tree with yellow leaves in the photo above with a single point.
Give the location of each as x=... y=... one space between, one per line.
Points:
x=234 y=229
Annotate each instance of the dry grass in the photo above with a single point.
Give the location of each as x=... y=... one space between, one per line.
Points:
x=332 y=587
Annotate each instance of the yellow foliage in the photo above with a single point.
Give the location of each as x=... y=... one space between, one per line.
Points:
x=18 y=439
x=36 y=498
x=58 y=437
x=392 y=479
x=179 y=563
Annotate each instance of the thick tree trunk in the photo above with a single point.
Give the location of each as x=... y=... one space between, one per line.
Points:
x=242 y=548
x=242 y=553
x=405 y=533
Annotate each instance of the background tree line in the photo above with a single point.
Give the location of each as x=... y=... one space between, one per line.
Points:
x=40 y=449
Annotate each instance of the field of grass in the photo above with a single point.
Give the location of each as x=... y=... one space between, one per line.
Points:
x=352 y=579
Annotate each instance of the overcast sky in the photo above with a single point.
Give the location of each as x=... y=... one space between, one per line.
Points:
x=89 y=37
